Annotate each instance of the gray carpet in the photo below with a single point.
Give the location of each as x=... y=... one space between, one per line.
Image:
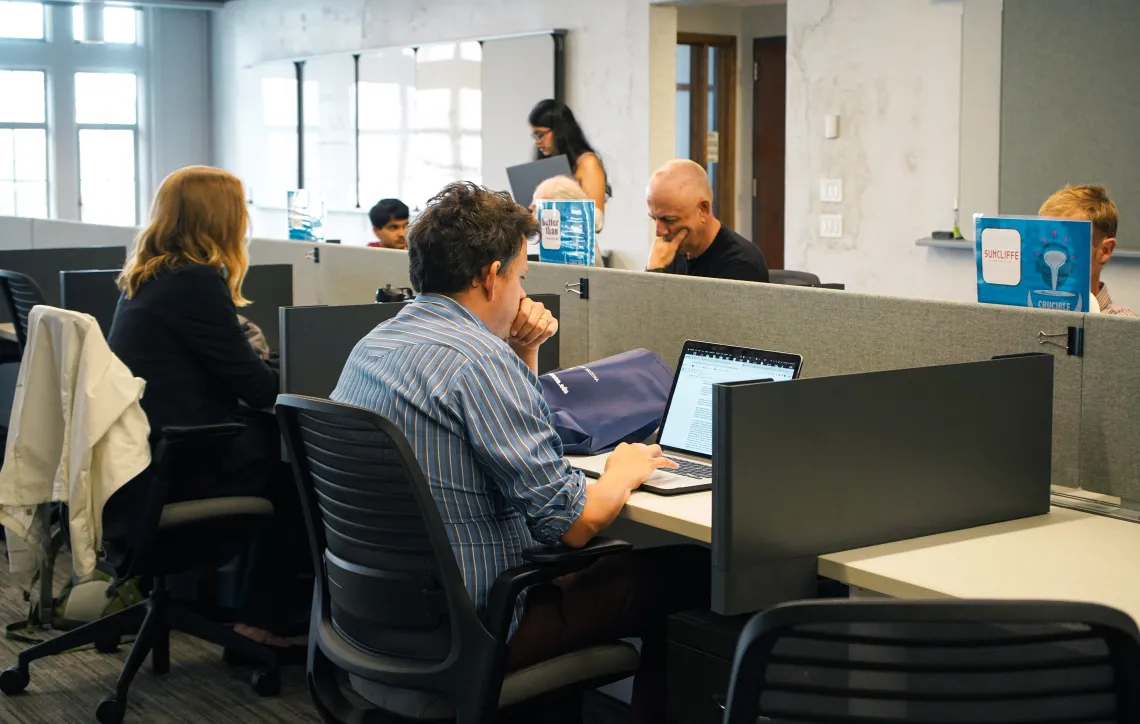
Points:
x=200 y=688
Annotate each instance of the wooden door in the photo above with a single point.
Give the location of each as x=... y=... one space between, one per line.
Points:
x=769 y=83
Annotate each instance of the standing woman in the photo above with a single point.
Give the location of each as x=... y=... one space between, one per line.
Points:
x=176 y=326
x=555 y=132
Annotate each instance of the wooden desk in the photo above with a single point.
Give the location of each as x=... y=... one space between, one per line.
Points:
x=1065 y=555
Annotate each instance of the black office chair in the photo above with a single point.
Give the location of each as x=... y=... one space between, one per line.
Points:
x=146 y=536
x=21 y=293
x=391 y=616
x=794 y=278
x=992 y=662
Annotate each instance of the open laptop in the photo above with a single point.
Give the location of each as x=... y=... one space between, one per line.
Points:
x=526 y=177
x=686 y=427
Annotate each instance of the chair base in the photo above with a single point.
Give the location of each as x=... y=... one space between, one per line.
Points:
x=153 y=619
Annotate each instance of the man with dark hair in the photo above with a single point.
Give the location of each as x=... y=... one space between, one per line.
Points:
x=389 y=219
x=456 y=369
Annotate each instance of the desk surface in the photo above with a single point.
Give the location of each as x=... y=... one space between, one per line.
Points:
x=1063 y=555
x=8 y=331
x=689 y=515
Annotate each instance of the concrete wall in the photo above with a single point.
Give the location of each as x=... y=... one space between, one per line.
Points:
x=608 y=69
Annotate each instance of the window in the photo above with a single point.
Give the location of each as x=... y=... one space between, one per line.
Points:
x=23 y=144
x=106 y=113
x=22 y=20
x=706 y=71
x=120 y=25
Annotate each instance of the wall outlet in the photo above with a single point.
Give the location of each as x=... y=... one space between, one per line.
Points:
x=831 y=190
x=831 y=226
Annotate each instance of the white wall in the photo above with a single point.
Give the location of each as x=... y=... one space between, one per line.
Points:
x=746 y=23
x=891 y=69
x=607 y=70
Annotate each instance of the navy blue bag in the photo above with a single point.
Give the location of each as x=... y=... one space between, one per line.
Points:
x=617 y=399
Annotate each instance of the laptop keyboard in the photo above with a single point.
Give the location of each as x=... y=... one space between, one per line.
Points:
x=690 y=469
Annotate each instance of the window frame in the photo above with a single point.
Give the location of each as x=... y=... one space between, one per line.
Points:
x=60 y=57
x=724 y=85
x=44 y=126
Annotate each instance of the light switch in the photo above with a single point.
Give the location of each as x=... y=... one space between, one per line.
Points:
x=831 y=190
x=831 y=226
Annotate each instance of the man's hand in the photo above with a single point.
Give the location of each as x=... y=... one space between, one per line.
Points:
x=663 y=252
x=533 y=325
x=636 y=463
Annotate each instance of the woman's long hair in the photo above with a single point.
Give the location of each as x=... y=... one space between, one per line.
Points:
x=198 y=217
x=568 y=135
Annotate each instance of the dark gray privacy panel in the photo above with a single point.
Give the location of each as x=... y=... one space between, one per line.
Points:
x=836 y=332
x=1070 y=102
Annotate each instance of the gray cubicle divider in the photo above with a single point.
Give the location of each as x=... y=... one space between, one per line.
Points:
x=836 y=332
x=96 y=292
x=816 y=466
x=334 y=273
x=44 y=265
x=316 y=342
x=1110 y=414
x=573 y=314
x=91 y=291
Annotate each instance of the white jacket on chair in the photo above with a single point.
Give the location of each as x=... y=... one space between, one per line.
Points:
x=77 y=432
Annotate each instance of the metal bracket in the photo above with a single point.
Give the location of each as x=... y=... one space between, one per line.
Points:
x=1074 y=342
x=314 y=254
x=582 y=288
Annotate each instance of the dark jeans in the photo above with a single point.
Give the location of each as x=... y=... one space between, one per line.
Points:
x=279 y=550
x=627 y=595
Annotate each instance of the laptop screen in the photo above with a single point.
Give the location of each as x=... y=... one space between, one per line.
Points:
x=688 y=418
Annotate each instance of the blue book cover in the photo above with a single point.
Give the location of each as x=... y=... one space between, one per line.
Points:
x=566 y=231
x=1032 y=261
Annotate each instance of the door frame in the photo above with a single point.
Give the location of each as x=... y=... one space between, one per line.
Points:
x=725 y=84
x=773 y=248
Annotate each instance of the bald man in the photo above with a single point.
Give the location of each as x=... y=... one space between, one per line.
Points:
x=690 y=240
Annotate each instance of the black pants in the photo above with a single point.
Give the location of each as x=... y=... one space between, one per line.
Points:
x=278 y=551
x=628 y=594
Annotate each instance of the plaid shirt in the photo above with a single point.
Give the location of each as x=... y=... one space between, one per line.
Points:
x=1107 y=306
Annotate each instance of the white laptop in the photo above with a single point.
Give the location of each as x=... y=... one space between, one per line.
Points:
x=686 y=427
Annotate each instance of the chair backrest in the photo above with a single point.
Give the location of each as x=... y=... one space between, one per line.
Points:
x=796 y=278
x=21 y=294
x=387 y=579
x=947 y=661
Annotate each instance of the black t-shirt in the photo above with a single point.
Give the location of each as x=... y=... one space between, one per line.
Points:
x=730 y=256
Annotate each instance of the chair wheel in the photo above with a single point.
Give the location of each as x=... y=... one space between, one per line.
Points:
x=107 y=645
x=14 y=680
x=266 y=683
x=111 y=710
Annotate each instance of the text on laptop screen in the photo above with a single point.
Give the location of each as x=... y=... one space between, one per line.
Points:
x=688 y=421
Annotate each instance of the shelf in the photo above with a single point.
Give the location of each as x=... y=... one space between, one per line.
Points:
x=966 y=245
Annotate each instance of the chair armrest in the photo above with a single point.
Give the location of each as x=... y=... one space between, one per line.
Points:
x=543 y=564
x=561 y=553
x=185 y=432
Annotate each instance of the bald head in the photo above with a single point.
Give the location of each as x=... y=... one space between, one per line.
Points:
x=680 y=201
x=560 y=188
x=682 y=178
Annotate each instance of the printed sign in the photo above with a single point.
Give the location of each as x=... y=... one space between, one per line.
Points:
x=1031 y=261
x=566 y=231
x=306 y=211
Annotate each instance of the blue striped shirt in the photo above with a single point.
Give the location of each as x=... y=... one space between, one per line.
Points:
x=480 y=428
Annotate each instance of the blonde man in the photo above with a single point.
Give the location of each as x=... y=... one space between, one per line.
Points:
x=1091 y=203
x=564 y=188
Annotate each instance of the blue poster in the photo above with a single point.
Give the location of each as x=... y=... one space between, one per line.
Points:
x=566 y=231
x=1032 y=261
x=306 y=210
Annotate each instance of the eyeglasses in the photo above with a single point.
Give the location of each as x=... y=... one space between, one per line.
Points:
x=539 y=135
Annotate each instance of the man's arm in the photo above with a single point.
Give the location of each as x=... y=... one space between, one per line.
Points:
x=508 y=425
x=626 y=469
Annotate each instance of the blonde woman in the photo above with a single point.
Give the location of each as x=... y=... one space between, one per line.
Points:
x=177 y=327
